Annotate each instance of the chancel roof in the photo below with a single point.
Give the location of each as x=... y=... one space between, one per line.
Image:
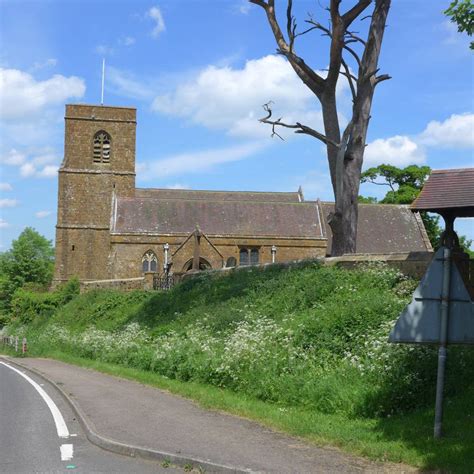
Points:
x=239 y=214
x=385 y=228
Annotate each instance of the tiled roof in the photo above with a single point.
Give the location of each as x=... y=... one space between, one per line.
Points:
x=218 y=217
x=448 y=190
x=191 y=194
x=384 y=228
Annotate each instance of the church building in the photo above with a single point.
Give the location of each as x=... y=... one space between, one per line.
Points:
x=108 y=229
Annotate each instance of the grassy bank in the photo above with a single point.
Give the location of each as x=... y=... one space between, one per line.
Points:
x=301 y=349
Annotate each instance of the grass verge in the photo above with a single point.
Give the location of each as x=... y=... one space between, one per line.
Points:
x=399 y=439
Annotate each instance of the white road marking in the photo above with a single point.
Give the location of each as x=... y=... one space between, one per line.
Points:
x=61 y=427
x=66 y=452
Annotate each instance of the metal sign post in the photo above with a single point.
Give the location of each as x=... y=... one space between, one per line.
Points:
x=443 y=340
x=441 y=312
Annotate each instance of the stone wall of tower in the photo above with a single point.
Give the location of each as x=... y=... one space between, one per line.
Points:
x=86 y=189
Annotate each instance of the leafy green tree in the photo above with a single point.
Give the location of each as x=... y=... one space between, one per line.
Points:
x=405 y=184
x=30 y=260
x=367 y=200
x=461 y=12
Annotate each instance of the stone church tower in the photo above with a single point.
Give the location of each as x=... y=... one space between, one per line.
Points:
x=99 y=164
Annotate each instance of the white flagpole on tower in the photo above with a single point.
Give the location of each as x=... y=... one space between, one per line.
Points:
x=103 y=78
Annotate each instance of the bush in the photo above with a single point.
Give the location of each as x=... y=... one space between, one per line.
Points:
x=28 y=304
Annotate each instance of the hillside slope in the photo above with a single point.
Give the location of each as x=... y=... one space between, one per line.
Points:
x=307 y=338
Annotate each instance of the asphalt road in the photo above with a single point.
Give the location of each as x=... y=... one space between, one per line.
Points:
x=29 y=434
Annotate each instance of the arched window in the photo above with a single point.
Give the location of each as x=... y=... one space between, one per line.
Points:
x=149 y=262
x=102 y=147
x=244 y=257
x=231 y=262
x=203 y=265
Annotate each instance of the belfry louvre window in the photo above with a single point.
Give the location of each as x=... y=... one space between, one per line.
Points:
x=149 y=262
x=102 y=147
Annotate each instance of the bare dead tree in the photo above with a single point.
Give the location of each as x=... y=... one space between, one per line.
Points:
x=345 y=151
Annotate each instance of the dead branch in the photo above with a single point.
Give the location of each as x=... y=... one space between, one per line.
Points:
x=317 y=25
x=290 y=25
x=354 y=38
x=260 y=3
x=311 y=78
x=353 y=53
x=381 y=78
x=350 y=79
x=298 y=127
x=366 y=180
x=354 y=12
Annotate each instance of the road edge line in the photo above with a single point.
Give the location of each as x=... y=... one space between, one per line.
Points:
x=123 y=448
x=59 y=422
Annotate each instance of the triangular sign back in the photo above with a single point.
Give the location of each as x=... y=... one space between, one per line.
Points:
x=420 y=320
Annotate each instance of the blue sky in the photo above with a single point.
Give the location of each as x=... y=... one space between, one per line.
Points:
x=198 y=73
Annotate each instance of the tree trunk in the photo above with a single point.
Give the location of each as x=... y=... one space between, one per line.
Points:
x=345 y=153
x=343 y=221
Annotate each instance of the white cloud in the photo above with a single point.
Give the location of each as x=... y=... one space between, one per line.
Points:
x=27 y=170
x=8 y=203
x=13 y=158
x=45 y=158
x=127 y=41
x=243 y=7
x=6 y=187
x=127 y=84
x=43 y=214
x=3 y=225
x=22 y=95
x=50 y=62
x=40 y=166
x=398 y=151
x=155 y=14
x=231 y=99
x=197 y=162
x=456 y=131
x=49 y=171
x=104 y=50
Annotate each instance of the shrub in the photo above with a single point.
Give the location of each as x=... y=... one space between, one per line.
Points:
x=28 y=304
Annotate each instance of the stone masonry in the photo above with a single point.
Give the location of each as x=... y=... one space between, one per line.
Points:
x=106 y=226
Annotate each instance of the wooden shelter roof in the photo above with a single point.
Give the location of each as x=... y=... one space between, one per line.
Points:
x=448 y=192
